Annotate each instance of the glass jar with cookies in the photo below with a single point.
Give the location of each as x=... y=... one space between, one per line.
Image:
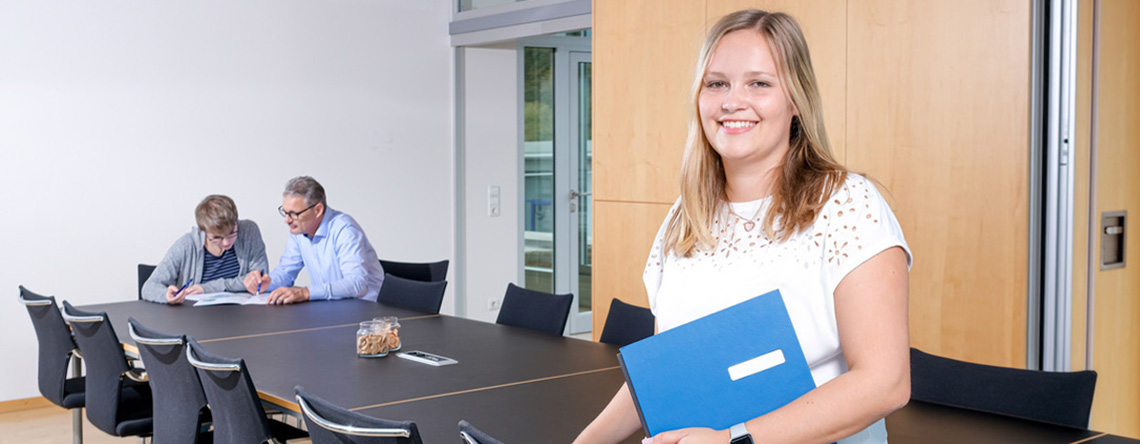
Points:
x=372 y=339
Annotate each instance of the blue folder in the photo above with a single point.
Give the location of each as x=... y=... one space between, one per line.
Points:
x=725 y=368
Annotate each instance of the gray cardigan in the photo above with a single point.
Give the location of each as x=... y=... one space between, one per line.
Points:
x=184 y=260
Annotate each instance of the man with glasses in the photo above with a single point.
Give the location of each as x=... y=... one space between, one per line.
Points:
x=216 y=254
x=341 y=262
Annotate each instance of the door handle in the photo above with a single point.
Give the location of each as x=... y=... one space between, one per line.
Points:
x=574 y=194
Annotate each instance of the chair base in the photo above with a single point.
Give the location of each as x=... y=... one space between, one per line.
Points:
x=77 y=425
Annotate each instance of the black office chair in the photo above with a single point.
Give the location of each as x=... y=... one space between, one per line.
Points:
x=472 y=435
x=56 y=349
x=179 y=402
x=238 y=415
x=416 y=295
x=144 y=273
x=118 y=397
x=535 y=310
x=627 y=324
x=332 y=424
x=1056 y=397
x=425 y=272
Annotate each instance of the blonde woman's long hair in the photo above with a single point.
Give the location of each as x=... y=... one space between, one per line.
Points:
x=808 y=174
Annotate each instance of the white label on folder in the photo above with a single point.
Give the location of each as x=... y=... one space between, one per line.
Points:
x=756 y=365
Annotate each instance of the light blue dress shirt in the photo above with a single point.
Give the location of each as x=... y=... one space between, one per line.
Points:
x=341 y=262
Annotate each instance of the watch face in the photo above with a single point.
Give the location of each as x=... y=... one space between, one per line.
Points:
x=746 y=439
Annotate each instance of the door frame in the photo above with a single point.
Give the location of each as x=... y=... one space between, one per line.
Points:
x=565 y=274
x=580 y=321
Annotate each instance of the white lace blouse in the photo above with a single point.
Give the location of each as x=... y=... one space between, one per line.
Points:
x=854 y=225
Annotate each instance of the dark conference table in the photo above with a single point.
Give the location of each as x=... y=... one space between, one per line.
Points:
x=313 y=345
x=517 y=385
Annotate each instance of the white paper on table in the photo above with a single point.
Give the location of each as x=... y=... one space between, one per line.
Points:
x=223 y=298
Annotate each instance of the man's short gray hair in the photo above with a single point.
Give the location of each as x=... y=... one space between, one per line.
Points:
x=306 y=187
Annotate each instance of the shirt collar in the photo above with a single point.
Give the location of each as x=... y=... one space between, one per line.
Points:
x=323 y=228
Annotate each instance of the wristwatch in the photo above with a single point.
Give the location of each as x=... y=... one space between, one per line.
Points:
x=739 y=435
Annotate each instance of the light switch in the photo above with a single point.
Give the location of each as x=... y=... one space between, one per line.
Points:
x=493 y=206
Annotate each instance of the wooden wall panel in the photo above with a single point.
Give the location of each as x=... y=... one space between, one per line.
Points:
x=929 y=97
x=626 y=230
x=938 y=111
x=1116 y=332
x=644 y=52
x=824 y=23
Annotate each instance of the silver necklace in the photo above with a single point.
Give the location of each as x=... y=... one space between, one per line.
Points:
x=749 y=223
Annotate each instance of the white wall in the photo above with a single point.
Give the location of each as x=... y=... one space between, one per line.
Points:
x=117 y=117
x=492 y=158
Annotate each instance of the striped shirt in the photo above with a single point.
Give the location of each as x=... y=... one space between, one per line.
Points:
x=220 y=267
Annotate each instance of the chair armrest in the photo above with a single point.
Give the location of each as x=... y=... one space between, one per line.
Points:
x=151 y=341
x=350 y=430
x=73 y=319
x=209 y=366
x=34 y=303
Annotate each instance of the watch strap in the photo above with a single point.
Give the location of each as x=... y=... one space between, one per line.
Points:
x=739 y=434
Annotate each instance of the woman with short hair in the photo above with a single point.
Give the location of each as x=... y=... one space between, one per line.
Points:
x=216 y=254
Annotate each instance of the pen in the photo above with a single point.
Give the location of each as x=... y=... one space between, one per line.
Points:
x=187 y=284
x=259 y=283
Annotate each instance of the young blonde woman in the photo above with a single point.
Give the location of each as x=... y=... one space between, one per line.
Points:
x=765 y=206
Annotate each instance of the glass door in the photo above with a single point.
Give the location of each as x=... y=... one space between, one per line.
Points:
x=557 y=164
x=538 y=168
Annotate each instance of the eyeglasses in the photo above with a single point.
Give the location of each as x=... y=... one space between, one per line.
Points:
x=294 y=214
x=219 y=239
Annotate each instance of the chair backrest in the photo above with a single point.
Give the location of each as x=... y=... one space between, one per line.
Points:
x=472 y=435
x=627 y=324
x=331 y=424
x=535 y=310
x=114 y=405
x=1056 y=397
x=177 y=392
x=416 y=271
x=237 y=412
x=416 y=295
x=55 y=345
x=144 y=273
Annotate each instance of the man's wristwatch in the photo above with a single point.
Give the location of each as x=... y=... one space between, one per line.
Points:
x=739 y=435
